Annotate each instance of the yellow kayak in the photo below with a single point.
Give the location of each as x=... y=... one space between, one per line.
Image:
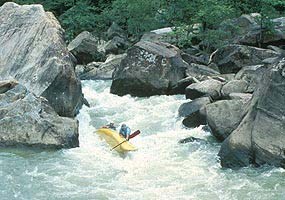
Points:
x=113 y=138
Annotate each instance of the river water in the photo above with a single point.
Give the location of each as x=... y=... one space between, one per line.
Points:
x=160 y=169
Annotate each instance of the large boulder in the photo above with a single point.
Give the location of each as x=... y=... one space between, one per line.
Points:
x=236 y=28
x=260 y=136
x=232 y=58
x=85 y=48
x=29 y=120
x=224 y=116
x=150 y=68
x=102 y=71
x=33 y=52
x=257 y=36
x=209 y=87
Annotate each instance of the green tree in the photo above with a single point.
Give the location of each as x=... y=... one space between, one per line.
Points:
x=136 y=16
x=80 y=17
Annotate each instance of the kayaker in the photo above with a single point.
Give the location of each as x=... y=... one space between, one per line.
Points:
x=125 y=131
x=111 y=125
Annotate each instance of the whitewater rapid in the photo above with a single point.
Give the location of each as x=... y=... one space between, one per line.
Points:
x=160 y=169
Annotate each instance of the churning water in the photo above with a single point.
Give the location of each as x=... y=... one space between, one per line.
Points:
x=160 y=169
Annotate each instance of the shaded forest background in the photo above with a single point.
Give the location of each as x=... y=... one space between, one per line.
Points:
x=140 y=16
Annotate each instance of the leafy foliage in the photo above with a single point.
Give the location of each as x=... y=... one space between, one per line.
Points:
x=139 y=16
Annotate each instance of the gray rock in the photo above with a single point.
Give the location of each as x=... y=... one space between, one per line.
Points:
x=260 y=136
x=246 y=97
x=116 y=31
x=201 y=60
x=149 y=69
x=209 y=87
x=196 y=70
x=29 y=120
x=83 y=69
x=159 y=35
x=224 y=116
x=195 y=119
x=105 y=70
x=236 y=28
x=34 y=53
x=186 y=109
x=232 y=58
x=252 y=75
x=191 y=112
x=277 y=49
x=84 y=48
x=6 y=85
x=223 y=77
x=234 y=86
x=270 y=61
x=192 y=139
x=116 y=46
x=276 y=37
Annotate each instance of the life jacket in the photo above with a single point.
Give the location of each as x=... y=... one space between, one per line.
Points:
x=125 y=132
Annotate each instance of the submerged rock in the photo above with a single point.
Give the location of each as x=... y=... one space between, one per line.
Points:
x=34 y=53
x=260 y=137
x=29 y=120
x=150 y=68
x=192 y=139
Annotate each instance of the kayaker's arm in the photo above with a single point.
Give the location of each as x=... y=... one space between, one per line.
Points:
x=128 y=133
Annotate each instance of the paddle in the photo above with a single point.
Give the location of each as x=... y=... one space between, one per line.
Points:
x=134 y=134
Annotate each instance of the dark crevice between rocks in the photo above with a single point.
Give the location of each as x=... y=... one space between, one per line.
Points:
x=4 y=87
x=278 y=43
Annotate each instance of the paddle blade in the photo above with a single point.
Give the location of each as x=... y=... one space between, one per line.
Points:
x=134 y=134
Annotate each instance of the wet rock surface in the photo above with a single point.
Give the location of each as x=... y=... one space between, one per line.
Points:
x=27 y=120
